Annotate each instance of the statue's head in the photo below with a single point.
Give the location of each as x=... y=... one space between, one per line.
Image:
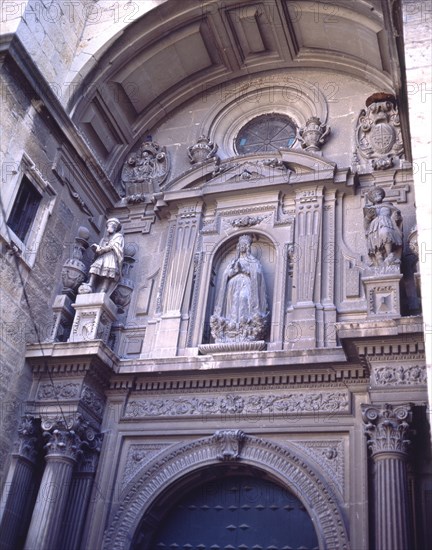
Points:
x=113 y=225
x=244 y=243
x=376 y=194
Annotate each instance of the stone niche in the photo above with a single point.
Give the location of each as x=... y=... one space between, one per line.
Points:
x=248 y=328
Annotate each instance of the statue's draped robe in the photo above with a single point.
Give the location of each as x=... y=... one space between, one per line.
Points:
x=383 y=228
x=109 y=264
x=242 y=292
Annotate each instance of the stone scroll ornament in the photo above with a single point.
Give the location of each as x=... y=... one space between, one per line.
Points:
x=378 y=132
x=383 y=228
x=106 y=269
x=144 y=171
x=241 y=313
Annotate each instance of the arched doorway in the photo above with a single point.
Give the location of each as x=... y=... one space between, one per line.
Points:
x=227 y=509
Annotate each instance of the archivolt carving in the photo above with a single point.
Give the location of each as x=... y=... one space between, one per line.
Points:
x=289 y=467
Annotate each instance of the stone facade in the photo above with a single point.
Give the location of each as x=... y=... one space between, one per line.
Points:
x=252 y=314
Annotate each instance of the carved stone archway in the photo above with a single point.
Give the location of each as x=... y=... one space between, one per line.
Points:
x=284 y=464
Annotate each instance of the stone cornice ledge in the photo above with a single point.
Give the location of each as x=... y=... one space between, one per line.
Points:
x=65 y=353
x=316 y=358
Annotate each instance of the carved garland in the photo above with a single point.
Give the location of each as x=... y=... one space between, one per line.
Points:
x=291 y=469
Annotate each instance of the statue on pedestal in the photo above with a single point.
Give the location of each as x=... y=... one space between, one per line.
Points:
x=241 y=313
x=106 y=270
x=383 y=225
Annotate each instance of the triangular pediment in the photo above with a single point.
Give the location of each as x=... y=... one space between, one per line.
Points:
x=255 y=170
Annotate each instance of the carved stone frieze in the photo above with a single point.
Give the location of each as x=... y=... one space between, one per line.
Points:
x=246 y=221
x=402 y=375
x=64 y=391
x=378 y=132
x=241 y=404
x=387 y=427
x=94 y=401
x=229 y=444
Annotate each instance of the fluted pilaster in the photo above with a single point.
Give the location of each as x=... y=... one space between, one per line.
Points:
x=388 y=430
x=19 y=490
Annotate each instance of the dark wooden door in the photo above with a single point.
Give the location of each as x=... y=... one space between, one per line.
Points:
x=236 y=513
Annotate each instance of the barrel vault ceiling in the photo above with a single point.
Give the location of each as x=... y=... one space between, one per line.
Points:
x=184 y=48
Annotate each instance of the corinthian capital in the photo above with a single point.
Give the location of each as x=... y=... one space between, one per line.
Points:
x=29 y=438
x=68 y=437
x=387 y=427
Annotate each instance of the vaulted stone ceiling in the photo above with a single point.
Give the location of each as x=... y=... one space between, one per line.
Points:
x=184 y=48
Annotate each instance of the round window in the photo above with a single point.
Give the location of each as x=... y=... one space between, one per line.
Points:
x=266 y=133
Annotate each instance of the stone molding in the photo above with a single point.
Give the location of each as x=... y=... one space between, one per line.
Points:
x=290 y=468
x=388 y=427
x=294 y=403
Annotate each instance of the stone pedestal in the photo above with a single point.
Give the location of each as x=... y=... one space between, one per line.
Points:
x=388 y=429
x=19 y=490
x=94 y=316
x=63 y=318
x=382 y=293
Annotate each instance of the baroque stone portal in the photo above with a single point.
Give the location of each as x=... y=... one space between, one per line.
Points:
x=241 y=312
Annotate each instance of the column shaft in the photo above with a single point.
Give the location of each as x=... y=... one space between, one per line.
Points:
x=392 y=504
x=18 y=496
x=50 y=505
x=76 y=510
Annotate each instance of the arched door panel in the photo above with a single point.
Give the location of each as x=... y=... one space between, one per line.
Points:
x=236 y=512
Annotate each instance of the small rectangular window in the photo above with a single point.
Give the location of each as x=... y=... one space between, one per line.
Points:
x=24 y=209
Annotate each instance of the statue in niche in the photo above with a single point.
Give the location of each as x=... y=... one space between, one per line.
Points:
x=106 y=270
x=383 y=225
x=241 y=312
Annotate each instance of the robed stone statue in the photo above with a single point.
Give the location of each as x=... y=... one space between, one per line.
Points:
x=383 y=226
x=106 y=269
x=241 y=312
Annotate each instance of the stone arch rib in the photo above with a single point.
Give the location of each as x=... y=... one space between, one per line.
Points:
x=284 y=464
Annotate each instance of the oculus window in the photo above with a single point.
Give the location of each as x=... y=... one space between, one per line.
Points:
x=266 y=133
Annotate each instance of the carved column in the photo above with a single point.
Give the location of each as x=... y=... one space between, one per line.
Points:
x=20 y=489
x=387 y=428
x=65 y=439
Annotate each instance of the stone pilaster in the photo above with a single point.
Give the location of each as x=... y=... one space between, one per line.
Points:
x=388 y=430
x=19 y=489
x=66 y=438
